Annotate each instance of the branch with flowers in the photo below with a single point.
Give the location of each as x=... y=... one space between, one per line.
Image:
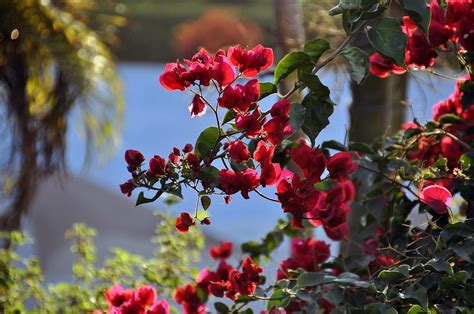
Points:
x=273 y=152
x=401 y=267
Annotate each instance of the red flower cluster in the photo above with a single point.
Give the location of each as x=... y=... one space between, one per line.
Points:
x=455 y=25
x=307 y=254
x=429 y=148
x=299 y=196
x=203 y=69
x=224 y=281
x=139 y=301
x=437 y=197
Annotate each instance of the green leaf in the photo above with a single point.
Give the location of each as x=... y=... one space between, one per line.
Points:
x=417 y=293
x=266 y=89
x=334 y=145
x=205 y=202
x=210 y=175
x=316 y=48
x=228 y=116
x=221 y=307
x=419 y=12
x=467 y=161
x=450 y=118
x=417 y=309
x=310 y=279
x=440 y=265
x=346 y=5
x=395 y=274
x=457 y=280
x=314 y=84
x=388 y=39
x=141 y=199
x=379 y=308
x=279 y=298
x=359 y=62
x=206 y=141
x=291 y=62
x=297 y=116
x=325 y=185
x=361 y=148
x=318 y=111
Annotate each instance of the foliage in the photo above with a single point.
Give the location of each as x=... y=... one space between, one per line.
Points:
x=53 y=64
x=23 y=289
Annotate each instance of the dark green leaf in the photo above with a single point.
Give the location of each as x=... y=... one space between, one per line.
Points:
x=361 y=148
x=379 y=308
x=441 y=265
x=359 y=62
x=316 y=48
x=141 y=199
x=346 y=5
x=419 y=12
x=317 y=115
x=314 y=84
x=310 y=279
x=416 y=293
x=334 y=145
x=291 y=62
x=205 y=202
x=395 y=274
x=388 y=39
x=206 y=141
x=450 y=118
x=221 y=307
x=267 y=89
x=210 y=175
x=297 y=116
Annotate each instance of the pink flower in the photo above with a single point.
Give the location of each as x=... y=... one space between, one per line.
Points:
x=437 y=197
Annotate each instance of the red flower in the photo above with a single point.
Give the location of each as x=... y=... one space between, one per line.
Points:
x=439 y=32
x=229 y=181
x=157 y=166
x=281 y=108
x=310 y=252
x=466 y=30
x=159 y=307
x=239 y=97
x=340 y=165
x=146 y=295
x=116 y=295
x=238 y=151
x=418 y=52
x=263 y=153
x=311 y=161
x=183 y=222
x=223 y=71
x=382 y=66
x=197 y=107
x=172 y=78
x=249 y=123
x=276 y=129
x=127 y=187
x=337 y=233
x=249 y=181
x=190 y=300
x=269 y=174
x=437 y=197
x=251 y=62
x=134 y=158
x=222 y=252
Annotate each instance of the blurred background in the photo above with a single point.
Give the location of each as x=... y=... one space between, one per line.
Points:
x=79 y=86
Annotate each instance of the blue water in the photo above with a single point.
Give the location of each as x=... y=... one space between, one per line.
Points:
x=155 y=120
